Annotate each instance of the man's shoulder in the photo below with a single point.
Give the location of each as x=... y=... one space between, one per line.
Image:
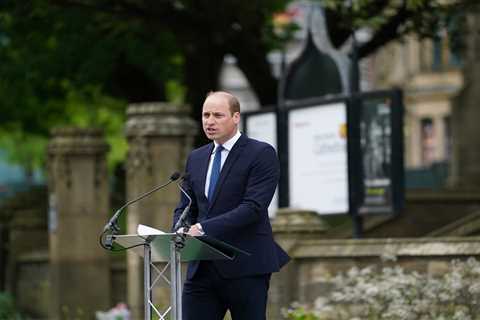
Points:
x=201 y=150
x=257 y=144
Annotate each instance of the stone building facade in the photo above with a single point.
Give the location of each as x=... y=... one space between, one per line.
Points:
x=430 y=74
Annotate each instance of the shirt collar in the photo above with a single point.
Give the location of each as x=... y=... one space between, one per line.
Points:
x=228 y=145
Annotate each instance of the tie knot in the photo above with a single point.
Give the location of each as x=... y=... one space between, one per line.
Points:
x=219 y=148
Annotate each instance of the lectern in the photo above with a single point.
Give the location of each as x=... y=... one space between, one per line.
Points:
x=165 y=248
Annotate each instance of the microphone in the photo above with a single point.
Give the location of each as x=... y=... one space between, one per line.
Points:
x=181 y=219
x=113 y=223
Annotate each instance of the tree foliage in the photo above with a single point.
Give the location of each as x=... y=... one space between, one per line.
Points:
x=144 y=50
x=129 y=50
x=72 y=67
x=388 y=21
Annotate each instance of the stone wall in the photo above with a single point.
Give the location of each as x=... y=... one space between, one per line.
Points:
x=315 y=261
x=32 y=286
x=305 y=278
x=26 y=244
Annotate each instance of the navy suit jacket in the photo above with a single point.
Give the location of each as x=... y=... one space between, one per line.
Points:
x=237 y=213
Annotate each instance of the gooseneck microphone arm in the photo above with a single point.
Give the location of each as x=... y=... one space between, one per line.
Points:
x=181 y=222
x=112 y=224
x=180 y=237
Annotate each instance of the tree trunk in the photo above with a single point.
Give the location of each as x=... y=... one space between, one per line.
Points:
x=203 y=61
x=466 y=113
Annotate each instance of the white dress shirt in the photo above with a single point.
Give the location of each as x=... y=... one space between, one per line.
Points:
x=227 y=146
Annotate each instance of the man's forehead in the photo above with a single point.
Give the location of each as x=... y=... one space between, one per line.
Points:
x=217 y=99
x=214 y=104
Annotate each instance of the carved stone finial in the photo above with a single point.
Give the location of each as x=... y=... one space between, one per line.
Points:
x=77 y=141
x=159 y=119
x=70 y=142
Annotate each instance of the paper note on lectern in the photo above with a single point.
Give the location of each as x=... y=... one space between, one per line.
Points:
x=143 y=230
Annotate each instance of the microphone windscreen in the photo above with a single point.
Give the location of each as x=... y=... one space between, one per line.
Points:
x=175 y=176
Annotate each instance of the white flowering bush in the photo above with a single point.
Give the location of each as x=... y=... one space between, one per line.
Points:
x=119 y=312
x=393 y=293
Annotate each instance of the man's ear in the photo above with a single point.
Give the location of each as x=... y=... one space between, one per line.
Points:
x=236 y=117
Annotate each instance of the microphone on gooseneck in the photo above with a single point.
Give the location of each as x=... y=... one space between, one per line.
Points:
x=113 y=222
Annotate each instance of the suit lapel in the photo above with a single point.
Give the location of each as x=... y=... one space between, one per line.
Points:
x=227 y=166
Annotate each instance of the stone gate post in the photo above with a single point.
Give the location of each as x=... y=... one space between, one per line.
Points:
x=78 y=209
x=160 y=136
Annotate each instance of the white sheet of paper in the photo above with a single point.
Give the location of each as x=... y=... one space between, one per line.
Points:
x=143 y=230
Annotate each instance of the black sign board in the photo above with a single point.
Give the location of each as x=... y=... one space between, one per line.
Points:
x=380 y=128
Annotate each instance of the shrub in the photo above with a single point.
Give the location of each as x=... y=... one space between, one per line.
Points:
x=7 y=307
x=395 y=294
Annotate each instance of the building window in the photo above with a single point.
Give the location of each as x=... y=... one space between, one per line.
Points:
x=444 y=53
x=437 y=54
x=427 y=141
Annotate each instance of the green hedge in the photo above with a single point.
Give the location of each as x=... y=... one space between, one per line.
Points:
x=7 y=307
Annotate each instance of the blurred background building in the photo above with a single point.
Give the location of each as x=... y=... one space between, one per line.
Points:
x=429 y=72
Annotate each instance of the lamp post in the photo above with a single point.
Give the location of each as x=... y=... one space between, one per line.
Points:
x=354 y=85
x=282 y=28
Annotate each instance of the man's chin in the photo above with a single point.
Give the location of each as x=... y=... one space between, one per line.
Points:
x=210 y=136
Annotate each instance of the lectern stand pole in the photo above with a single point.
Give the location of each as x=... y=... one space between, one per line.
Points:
x=175 y=282
x=147 y=260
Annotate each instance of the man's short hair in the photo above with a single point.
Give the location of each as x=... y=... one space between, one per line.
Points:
x=233 y=102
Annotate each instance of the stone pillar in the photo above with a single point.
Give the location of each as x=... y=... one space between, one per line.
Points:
x=78 y=209
x=160 y=136
x=290 y=227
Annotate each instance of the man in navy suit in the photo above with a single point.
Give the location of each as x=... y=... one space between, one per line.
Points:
x=231 y=182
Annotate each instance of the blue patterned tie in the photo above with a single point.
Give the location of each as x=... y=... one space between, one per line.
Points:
x=216 y=165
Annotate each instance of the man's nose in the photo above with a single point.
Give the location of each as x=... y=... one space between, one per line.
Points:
x=209 y=119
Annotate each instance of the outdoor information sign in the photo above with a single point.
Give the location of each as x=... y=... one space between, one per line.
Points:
x=317 y=157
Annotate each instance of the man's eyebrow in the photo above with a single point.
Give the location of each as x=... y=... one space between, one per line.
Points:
x=216 y=113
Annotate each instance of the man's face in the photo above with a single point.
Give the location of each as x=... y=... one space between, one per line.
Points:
x=218 y=122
